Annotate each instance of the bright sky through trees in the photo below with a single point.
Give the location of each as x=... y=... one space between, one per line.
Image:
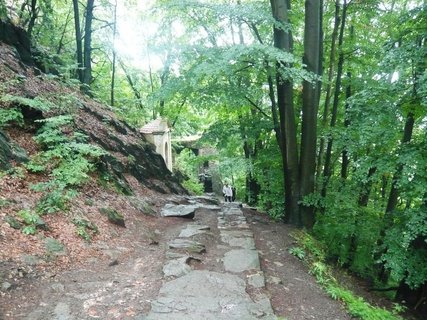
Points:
x=135 y=34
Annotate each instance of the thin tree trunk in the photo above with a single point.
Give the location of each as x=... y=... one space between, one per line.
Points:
x=132 y=85
x=283 y=41
x=33 y=18
x=365 y=190
x=329 y=85
x=394 y=191
x=79 y=46
x=87 y=53
x=113 y=63
x=345 y=159
x=271 y=94
x=64 y=30
x=310 y=104
x=328 y=157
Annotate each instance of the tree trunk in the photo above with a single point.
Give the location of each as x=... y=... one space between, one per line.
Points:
x=113 y=62
x=394 y=191
x=79 y=46
x=87 y=53
x=136 y=93
x=365 y=190
x=328 y=167
x=329 y=86
x=64 y=31
x=33 y=18
x=283 y=41
x=345 y=159
x=310 y=104
x=271 y=94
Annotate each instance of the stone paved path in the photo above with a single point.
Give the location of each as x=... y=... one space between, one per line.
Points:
x=233 y=289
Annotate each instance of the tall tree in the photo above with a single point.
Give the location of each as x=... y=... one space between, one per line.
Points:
x=87 y=50
x=79 y=43
x=313 y=49
x=331 y=68
x=327 y=170
x=113 y=62
x=283 y=41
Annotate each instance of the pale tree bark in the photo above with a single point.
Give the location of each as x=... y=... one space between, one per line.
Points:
x=79 y=44
x=310 y=104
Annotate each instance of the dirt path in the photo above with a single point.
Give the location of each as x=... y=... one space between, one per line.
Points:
x=126 y=280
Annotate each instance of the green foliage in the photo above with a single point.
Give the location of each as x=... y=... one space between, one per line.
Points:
x=187 y=163
x=297 y=252
x=314 y=257
x=11 y=115
x=85 y=228
x=4 y=203
x=350 y=233
x=37 y=103
x=68 y=159
x=32 y=221
x=193 y=186
x=16 y=172
x=405 y=248
x=357 y=306
x=268 y=172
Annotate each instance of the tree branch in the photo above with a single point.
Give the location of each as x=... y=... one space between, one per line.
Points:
x=257 y=107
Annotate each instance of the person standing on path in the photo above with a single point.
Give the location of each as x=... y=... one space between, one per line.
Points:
x=227 y=192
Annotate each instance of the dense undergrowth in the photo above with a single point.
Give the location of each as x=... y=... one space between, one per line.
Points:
x=64 y=160
x=313 y=254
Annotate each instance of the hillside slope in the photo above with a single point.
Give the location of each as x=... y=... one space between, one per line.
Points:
x=71 y=173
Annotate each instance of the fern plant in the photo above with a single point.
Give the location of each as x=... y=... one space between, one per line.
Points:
x=68 y=158
x=32 y=221
x=37 y=103
x=11 y=115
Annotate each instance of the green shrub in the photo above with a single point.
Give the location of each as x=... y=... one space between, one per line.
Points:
x=187 y=163
x=32 y=221
x=38 y=103
x=314 y=257
x=85 y=228
x=69 y=159
x=11 y=115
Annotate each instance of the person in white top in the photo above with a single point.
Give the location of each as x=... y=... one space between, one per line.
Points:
x=227 y=192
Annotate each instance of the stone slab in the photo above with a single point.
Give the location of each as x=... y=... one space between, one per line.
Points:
x=180 y=210
x=192 y=230
x=240 y=260
x=207 y=295
x=238 y=238
x=177 y=267
x=189 y=245
x=256 y=280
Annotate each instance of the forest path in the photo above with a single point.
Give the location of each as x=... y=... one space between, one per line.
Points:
x=238 y=267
